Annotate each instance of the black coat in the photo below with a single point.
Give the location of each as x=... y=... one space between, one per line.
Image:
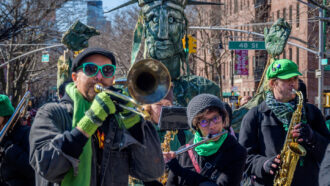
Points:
x=15 y=168
x=228 y=170
x=263 y=135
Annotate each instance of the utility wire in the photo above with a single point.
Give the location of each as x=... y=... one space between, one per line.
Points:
x=33 y=51
x=30 y=44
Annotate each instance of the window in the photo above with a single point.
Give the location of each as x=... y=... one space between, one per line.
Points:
x=297 y=56
x=235 y=6
x=230 y=8
x=278 y=14
x=284 y=13
x=297 y=16
x=290 y=13
x=284 y=54
x=290 y=54
x=273 y=18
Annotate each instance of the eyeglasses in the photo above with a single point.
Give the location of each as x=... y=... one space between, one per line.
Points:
x=91 y=69
x=206 y=122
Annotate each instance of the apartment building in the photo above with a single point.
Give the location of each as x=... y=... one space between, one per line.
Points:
x=254 y=16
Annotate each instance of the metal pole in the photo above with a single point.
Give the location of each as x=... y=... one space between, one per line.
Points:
x=321 y=51
x=232 y=69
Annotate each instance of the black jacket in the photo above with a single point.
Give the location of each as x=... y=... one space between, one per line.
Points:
x=263 y=135
x=15 y=168
x=56 y=147
x=228 y=171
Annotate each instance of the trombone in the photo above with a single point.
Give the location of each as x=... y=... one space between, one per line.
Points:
x=18 y=113
x=148 y=81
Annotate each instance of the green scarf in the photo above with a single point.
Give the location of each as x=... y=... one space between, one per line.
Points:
x=85 y=165
x=283 y=111
x=209 y=148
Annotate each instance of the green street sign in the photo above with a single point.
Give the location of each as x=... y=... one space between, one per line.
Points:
x=45 y=58
x=247 y=45
x=327 y=68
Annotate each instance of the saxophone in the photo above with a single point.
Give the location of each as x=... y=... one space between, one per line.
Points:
x=291 y=151
x=169 y=136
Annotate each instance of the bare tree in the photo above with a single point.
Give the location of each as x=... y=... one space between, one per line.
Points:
x=119 y=39
x=28 y=22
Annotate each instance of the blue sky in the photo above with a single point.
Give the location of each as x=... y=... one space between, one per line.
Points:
x=109 y=4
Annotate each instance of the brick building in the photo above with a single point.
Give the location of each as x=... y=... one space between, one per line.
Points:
x=254 y=16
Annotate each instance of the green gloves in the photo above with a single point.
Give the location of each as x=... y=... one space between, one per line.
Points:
x=101 y=107
x=128 y=118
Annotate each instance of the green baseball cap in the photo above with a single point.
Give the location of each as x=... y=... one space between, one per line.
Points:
x=6 y=108
x=282 y=69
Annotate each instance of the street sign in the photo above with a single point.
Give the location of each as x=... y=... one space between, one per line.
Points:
x=247 y=45
x=327 y=68
x=45 y=58
x=324 y=61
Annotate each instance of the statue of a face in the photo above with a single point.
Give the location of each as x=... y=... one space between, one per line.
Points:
x=164 y=26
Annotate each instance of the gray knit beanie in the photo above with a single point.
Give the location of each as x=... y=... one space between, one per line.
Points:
x=201 y=102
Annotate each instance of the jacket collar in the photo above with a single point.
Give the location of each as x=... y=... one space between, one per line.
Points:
x=263 y=107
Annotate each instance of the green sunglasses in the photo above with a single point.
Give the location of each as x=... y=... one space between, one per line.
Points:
x=91 y=69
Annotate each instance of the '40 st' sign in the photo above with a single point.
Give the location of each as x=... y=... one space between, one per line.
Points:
x=247 y=45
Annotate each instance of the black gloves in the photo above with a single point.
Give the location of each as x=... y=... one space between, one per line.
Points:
x=271 y=165
x=304 y=134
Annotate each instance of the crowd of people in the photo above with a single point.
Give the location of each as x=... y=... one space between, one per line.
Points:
x=87 y=139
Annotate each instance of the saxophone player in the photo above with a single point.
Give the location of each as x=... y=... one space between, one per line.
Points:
x=264 y=129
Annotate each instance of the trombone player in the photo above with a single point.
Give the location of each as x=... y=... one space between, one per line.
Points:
x=14 y=157
x=86 y=139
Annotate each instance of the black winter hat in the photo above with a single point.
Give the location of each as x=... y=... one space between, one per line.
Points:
x=200 y=103
x=88 y=52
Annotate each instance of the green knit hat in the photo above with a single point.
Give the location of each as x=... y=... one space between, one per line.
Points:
x=282 y=69
x=6 y=109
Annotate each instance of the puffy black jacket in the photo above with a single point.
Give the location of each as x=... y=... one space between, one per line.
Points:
x=15 y=168
x=228 y=170
x=263 y=135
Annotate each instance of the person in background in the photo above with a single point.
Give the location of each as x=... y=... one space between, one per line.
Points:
x=230 y=116
x=86 y=140
x=182 y=137
x=218 y=162
x=15 y=169
x=244 y=100
x=264 y=129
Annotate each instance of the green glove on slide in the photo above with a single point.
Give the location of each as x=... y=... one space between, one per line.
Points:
x=129 y=118
x=101 y=107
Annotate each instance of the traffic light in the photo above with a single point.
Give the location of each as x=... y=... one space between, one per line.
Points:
x=189 y=44
x=192 y=43
x=326 y=99
x=185 y=41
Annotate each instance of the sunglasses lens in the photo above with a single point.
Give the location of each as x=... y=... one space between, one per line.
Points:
x=215 y=119
x=203 y=123
x=108 y=70
x=90 y=69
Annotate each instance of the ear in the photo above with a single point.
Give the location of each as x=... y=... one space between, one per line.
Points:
x=74 y=76
x=271 y=83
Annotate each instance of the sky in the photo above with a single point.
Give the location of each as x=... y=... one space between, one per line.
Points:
x=109 y=4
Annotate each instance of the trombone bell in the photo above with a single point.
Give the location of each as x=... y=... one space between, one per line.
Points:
x=148 y=81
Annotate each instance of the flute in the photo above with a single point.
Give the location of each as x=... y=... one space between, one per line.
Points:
x=209 y=138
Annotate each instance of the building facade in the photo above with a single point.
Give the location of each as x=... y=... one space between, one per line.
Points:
x=89 y=12
x=254 y=16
